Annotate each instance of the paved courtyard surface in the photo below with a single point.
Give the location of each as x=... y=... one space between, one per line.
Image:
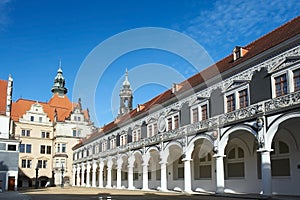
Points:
x=77 y=193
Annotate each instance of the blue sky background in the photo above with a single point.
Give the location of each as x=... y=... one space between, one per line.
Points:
x=34 y=35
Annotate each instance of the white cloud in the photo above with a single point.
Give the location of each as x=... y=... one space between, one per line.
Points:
x=4 y=9
x=230 y=23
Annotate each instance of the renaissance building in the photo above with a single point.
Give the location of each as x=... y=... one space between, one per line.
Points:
x=47 y=132
x=232 y=128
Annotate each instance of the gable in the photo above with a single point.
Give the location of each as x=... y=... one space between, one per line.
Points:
x=287 y=62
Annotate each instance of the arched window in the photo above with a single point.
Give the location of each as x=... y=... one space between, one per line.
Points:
x=205 y=167
x=280 y=161
x=178 y=169
x=235 y=167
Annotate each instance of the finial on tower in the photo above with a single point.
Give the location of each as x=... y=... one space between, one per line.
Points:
x=126 y=82
x=59 y=82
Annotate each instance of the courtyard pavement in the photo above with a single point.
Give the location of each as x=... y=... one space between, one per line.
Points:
x=78 y=193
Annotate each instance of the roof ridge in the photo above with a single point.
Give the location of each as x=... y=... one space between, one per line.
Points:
x=274 y=30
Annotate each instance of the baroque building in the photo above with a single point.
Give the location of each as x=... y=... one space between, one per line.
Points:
x=9 y=147
x=232 y=128
x=48 y=131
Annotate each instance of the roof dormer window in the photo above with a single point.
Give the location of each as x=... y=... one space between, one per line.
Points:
x=239 y=52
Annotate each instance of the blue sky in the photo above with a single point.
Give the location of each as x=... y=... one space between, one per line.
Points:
x=34 y=35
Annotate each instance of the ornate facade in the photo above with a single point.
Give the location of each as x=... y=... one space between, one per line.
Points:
x=48 y=131
x=232 y=128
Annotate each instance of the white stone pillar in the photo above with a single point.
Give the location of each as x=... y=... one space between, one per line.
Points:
x=74 y=176
x=88 y=174
x=163 y=176
x=187 y=175
x=94 y=174
x=220 y=184
x=119 y=177
x=101 y=166
x=78 y=175
x=119 y=172
x=266 y=176
x=109 y=168
x=82 y=174
x=130 y=177
x=145 y=176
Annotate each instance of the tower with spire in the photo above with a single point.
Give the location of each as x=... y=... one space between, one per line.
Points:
x=59 y=83
x=125 y=96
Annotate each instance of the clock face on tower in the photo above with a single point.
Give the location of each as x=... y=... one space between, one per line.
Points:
x=161 y=124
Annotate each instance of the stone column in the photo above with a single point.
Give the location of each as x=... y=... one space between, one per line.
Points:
x=82 y=174
x=74 y=176
x=187 y=168
x=220 y=184
x=78 y=175
x=163 y=169
x=88 y=174
x=119 y=177
x=130 y=177
x=94 y=174
x=146 y=158
x=101 y=166
x=109 y=168
x=145 y=176
x=131 y=160
x=119 y=172
x=266 y=176
x=187 y=175
x=163 y=176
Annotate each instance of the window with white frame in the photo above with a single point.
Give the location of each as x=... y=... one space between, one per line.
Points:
x=57 y=163
x=281 y=86
x=285 y=82
x=25 y=148
x=280 y=158
x=104 y=145
x=237 y=99
x=123 y=139
x=112 y=143
x=205 y=167
x=61 y=148
x=45 y=134
x=76 y=132
x=25 y=132
x=296 y=79
x=136 y=135
x=26 y=163
x=152 y=129
x=45 y=149
x=199 y=112
x=96 y=148
x=60 y=162
x=178 y=169
x=42 y=164
x=235 y=162
x=173 y=122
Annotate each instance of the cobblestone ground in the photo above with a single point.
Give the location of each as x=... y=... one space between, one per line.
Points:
x=77 y=193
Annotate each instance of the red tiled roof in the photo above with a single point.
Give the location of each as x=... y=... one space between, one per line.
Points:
x=256 y=47
x=59 y=104
x=3 y=96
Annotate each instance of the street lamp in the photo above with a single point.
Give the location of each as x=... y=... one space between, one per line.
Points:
x=62 y=176
x=36 y=176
